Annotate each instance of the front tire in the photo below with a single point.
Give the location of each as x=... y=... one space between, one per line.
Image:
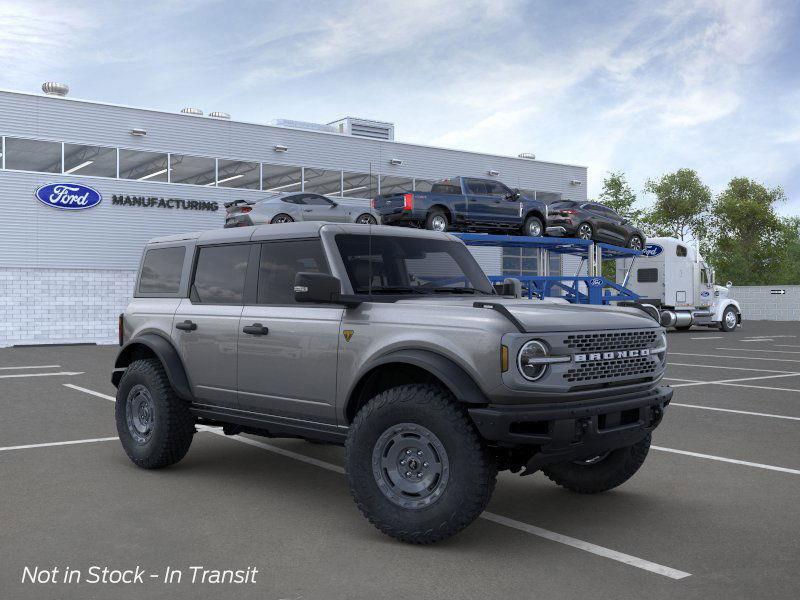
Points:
x=367 y=219
x=281 y=218
x=584 y=232
x=154 y=425
x=415 y=464
x=602 y=473
x=635 y=243
x=729 y=320
x=533 y=227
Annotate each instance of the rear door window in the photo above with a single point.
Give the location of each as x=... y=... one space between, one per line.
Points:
x=219 y=274
x=161 y=271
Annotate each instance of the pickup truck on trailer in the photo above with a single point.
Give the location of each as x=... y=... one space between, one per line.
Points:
x=465 y=203
x=393 y=343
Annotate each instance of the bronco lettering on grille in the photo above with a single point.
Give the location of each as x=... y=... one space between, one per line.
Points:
x=611 y=355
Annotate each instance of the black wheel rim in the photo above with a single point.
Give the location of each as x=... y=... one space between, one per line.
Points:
x=410 y=466
x=140 y=413
x=282 y=219
x=367 y=220
x=585 y=232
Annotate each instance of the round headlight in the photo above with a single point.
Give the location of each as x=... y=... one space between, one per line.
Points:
x=527 y=355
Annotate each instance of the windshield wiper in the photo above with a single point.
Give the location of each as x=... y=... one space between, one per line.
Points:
x=459 y=290
x=390 y=289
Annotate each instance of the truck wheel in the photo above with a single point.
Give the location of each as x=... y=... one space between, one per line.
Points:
x=533 y=227
x=600 y=473
x=729 y=320
x=437 y=220
x=635 y=243
x=416 y=466
x=154 y=425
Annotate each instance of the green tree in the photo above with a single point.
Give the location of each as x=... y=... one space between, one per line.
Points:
x=749 y=243
x=618 y=195
x=681 y=205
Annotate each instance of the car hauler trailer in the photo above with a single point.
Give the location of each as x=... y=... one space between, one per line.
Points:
x=672 y=276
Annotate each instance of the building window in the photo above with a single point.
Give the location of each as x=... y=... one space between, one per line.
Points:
x=143 y=166
x=280 y=178
x=359 y=185
x=520 y=262
x=321 y=181
x=33 y=155
x=96 y=161
x=237 y=174
x=396 y=185
x=194 y=170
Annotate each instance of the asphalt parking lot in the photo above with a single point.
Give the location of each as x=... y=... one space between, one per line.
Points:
x=714 y=512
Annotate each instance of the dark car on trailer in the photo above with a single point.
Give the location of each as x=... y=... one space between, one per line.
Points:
x=593 y=221
x=465 y=204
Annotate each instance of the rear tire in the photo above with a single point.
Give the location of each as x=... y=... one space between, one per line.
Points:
x=282 y=218
x=418 y=501
x=533 y=227
x=366 y=219
x=584 y=232
x=437 y=220
x=610 y=471
x=729 y=321
x=154 y=425
x=635 y=243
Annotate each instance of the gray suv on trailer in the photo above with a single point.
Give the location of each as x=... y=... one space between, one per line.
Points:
x=393 y=343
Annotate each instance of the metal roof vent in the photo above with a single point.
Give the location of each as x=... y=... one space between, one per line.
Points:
x=377 y=130
x=219 y=115
x=51 y=88
x=527 y=155
x=192 y=111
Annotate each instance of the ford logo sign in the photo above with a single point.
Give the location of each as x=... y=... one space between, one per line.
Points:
x=652 y=250
x=68 y=196
x=705 y=294
x=596 y=282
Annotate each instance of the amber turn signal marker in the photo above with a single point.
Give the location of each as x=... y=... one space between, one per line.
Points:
x=504 y=358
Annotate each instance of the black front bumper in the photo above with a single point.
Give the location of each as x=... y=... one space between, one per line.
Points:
x=562 y=433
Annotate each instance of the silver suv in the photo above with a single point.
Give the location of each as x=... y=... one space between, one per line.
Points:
x=393 y=343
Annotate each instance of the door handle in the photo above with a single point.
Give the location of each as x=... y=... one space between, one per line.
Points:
x=308 y=209
x=187 y=325
x=255 y=329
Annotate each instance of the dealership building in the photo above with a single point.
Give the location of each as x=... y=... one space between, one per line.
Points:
x=65 y=275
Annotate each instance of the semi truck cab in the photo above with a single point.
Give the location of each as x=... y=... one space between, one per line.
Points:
x=672 y=276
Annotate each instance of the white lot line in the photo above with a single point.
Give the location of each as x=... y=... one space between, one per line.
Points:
x=733 y=381
x=738 y=412
x=786 y=346
x=727 y=460
x=739 y=357
x=49 y=444
x=16 y=375
x=31 y=367
x=708 y=337
x=759 y=350
x=672 y=364
x=92 y=392
x=499 y=519
x=759 y=340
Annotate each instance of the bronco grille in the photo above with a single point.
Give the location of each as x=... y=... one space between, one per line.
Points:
x=612 y=369
x=607 y=342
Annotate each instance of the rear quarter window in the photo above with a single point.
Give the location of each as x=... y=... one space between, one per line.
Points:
x=161 y=271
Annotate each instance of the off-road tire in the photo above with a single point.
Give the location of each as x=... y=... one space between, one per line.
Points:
x=472 y=470
x=432 y=215
x=615 y=469
x=529 y=223
x=173 y=424
x=723 y=325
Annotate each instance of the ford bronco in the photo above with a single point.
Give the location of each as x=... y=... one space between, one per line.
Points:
x=393 y=343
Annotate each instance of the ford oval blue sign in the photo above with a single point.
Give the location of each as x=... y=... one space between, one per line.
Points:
x=596 y=282
x=652 y=250
x=68 y=196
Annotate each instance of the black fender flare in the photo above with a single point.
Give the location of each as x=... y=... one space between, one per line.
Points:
x=165 y=352
x=456 y=379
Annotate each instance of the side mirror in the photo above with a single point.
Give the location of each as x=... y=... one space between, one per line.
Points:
x=334 y=204
x=320 y=288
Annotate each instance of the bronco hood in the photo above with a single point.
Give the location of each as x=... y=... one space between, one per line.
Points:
x=537 y=316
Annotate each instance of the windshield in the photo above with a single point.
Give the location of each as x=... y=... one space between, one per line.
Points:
x=383 y=264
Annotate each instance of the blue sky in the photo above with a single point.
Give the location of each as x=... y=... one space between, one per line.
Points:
x=641 y=87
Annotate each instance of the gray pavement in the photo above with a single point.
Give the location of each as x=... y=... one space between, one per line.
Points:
x=727 y=516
